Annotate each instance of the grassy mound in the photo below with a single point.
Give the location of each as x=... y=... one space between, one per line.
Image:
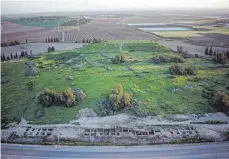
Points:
x=155 y=91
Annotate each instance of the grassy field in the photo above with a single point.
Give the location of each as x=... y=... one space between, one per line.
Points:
x=45 y=24
x=191 y=33
x=156 y=91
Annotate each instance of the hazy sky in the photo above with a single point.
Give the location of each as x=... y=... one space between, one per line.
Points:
x=31 y=6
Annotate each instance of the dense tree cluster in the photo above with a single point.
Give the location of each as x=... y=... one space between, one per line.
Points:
x=167 y=59
x=90 y=41
x=221 y=58
x=51 y=39
x=42 y=18
x=67 y=98
x=51 y=49
x=77 y=22
x=116 y=100
x=12 y=43
x=119 y=58
x=179 y=70
x=15 y=56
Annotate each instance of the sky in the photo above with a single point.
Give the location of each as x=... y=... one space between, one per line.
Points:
x=35 y=6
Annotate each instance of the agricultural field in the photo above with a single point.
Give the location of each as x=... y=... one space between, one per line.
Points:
x=12 y=31
x=150 y=83
x=44 y=24
x=191 y=33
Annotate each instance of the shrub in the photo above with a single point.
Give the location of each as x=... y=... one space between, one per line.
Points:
x=177 y=69
x=221 y=58
x=160 y=59
x=180 y=49
x=30 y=85
x=177 y=59
x=79 y=94
x=123 y=57
x=167 y=59
x=118 y=90
x=183 y=53
x=49 y=97
x=126 y=99
x=116 y=100
x=116 y=59
x=221 y=101
x=119 y=58
x=191 y=70
x=69 y=97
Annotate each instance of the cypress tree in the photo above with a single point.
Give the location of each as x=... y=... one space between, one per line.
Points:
x=3 y=57
x=11 y=55
x=210 y=51
x=206 y=51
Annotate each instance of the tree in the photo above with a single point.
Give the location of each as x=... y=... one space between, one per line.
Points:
x=123 y=57
x=53 y=49
x=214 y=54
x=95 y=40
x=22 y=54
x=8 y=58
x=49 y=49
x=3 y=57
x=227 y=54
x=31 y=52
x=46 y=40
x=210 y=51
x=126 y=99
x=16 y=55
x=69 y=97
x=11 y=55
x=83 y=41
x=26 y=40
x=220 y=58
x=180 y=49
x=118 y=89
x=221 y=100
x=206 y=51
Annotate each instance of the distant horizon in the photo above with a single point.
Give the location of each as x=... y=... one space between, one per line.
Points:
x=9 y=7
x=121 y=10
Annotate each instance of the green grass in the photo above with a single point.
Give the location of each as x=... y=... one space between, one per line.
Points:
x=191 y=33
x=45 y=24
x=153 y=89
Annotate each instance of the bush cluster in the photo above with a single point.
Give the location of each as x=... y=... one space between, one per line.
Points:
x=116 y=100
x=183 y=53
x=119 y=58
x=167 y=59
x=67 y=98
x=221 y=101
x=51 y=39
x=179 y=70
x=51 y=49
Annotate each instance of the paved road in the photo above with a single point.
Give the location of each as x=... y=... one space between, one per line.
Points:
x=193 y=151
